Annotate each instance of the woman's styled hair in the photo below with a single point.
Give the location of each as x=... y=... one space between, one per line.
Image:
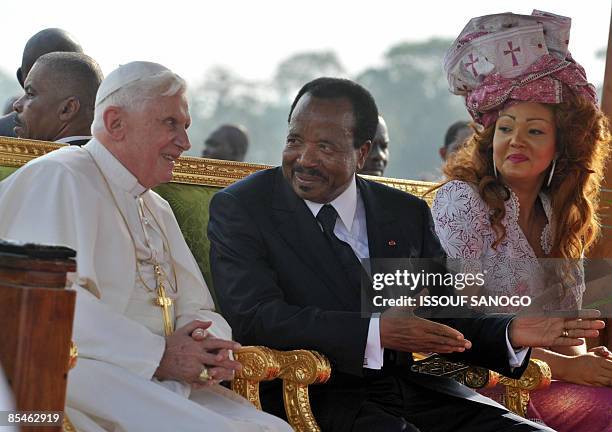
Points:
x=583 y=146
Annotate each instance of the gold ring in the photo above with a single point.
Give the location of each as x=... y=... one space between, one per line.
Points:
x=565 y=333
x=204 y=376
x=198 y=332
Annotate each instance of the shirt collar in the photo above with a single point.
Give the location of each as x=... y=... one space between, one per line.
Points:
x=69 y=139
x=345 y=204
x=114 y=170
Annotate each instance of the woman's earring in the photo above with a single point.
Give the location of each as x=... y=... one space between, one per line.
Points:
x=552 y=171
x=494 y=168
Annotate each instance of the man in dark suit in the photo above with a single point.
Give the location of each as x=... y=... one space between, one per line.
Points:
x=285 y=279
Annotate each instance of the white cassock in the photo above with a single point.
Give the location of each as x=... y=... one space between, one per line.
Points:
x=62 y=198
x=6 y=402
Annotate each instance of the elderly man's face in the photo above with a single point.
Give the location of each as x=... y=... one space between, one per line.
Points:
x=319 y=159
x=156 y=136
x=39 y=108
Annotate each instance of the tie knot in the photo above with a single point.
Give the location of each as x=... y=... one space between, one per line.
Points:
x=327 y=218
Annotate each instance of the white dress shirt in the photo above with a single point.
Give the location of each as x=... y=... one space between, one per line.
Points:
x=352 y=229
x=69 y=139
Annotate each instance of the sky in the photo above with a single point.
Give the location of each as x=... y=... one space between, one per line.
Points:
x=252 y=37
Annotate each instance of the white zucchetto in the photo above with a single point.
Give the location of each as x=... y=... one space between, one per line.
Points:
x=127 y=74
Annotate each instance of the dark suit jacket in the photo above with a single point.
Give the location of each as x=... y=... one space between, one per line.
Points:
x=279 y=285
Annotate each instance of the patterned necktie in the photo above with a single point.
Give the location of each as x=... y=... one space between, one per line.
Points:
x=327 y=218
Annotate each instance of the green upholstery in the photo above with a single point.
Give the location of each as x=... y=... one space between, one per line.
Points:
x=190 y=206
x=6 y=171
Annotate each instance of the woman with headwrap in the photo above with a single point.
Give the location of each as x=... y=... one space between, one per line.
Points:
x=526 y=187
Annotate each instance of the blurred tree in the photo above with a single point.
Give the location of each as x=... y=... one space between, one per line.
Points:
x=297 y=70
x=225 y=97
x=409 y=87
x=8 y=87
x=412 y=95
x=601 y=55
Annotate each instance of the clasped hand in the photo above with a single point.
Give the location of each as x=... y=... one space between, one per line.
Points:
x=191 y=348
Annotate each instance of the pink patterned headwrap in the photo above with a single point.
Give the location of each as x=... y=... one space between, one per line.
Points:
x=507 y=58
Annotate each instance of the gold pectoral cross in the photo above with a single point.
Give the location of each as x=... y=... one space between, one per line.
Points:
x=163 y=301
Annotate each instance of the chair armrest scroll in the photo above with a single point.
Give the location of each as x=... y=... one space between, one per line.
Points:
x=536 y=376
x=258 y=364
x=299 y=369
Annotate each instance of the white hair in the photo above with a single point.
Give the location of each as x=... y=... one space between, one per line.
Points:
x=135 y=95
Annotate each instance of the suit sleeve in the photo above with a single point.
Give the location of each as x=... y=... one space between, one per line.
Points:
x=487 y=332
x=253 y=300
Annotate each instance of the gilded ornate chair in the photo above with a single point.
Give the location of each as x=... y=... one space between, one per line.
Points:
x=196 y=180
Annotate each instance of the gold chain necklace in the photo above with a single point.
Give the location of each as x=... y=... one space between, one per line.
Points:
x=162 y=300
x=165 y=245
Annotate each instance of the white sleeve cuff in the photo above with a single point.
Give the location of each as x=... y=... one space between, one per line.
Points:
x=515 y=358
x=373 y=357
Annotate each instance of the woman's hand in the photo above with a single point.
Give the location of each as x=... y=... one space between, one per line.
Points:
x=601 y=351
x=590 y=369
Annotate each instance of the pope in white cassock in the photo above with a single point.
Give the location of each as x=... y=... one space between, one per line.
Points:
x=141 y=367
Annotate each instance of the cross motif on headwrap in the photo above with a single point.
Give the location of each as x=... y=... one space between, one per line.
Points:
x=471 y=64
x=512 y=51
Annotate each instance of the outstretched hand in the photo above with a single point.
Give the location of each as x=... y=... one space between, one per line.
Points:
x=402 y=331
x=554 y=331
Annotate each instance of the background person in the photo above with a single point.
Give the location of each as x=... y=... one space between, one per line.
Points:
x=58 y=100
x=43 y=42
x=228 y=142
x=378 y=157
x=455 y=136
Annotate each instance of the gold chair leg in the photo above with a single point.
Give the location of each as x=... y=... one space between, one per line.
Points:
x=297 y=407
x=248 y=390
x=516 y=400
x=258 y=364
x=299 y=369
x=536 y=376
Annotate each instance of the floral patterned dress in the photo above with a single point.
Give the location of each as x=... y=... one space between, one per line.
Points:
x=462 y=224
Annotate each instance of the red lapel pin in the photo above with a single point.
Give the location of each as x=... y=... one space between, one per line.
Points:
x=391 y=243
